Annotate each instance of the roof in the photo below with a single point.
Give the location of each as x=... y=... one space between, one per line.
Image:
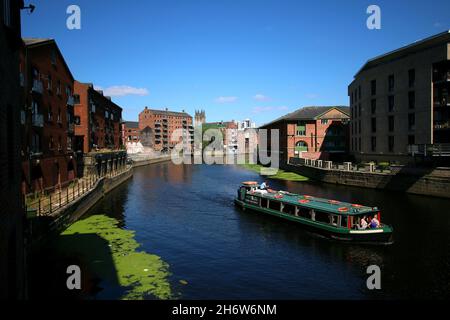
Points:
x=310 y=113
x=131 y=124
x=31 y=43
x=167 y=112
x=320 y=204
x=414 y=47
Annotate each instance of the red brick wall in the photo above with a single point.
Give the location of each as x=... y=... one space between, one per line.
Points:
x=147 y=118
x=54 y=147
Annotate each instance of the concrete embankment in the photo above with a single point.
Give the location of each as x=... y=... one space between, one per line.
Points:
x=145 y=162
x=59 y=220
x=423 y=181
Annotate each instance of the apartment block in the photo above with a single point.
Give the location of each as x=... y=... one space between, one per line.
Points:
x=12 y=213
x=47 y=116
x=97 y=120
x=316 y=132
x=160 y=126
x=400 y=102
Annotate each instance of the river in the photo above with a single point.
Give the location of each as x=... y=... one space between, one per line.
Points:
x=185 y=215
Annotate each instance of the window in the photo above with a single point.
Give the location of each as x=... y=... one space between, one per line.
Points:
x=301 y=146
x=7 y=12
x=373 y=87
x=76 y=99
x=391 y=102
x=359 y=109
x=77 y=120
x=411 y=139
x=391 y=123
x=374 y=124
x=58 y=88
x=49 y=83
x=359 y=127
x=359 y=92
x=391 y=83
x=412 y=77
x=373 y=106
x=50 y=115
x=373 y=144
x=391 y=143
x=53 y=57
x=359 y=143
x=411 y=121
x=301 y=129
x=411 y=100
x=324 y=121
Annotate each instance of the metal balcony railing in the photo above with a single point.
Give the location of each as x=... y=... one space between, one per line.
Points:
x=70 y=101
x=37 y=120
x=38 y=87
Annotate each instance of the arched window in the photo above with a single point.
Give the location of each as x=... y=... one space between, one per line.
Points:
x=301 y=146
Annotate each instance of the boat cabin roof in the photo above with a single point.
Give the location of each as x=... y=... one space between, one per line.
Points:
x=320 y=204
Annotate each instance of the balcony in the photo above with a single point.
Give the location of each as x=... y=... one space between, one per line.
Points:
x=38 y=87
x=37 y=120
x=70 y=101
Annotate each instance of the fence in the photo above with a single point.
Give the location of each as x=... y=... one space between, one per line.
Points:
x=346 y=166
x=50 y=200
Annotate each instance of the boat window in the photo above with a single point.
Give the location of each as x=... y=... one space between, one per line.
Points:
x=322 y=217
x=333 y=220
x=344 y=221
x=304 y=213
x=289 y=209
x=275 y=205
x=264 y=202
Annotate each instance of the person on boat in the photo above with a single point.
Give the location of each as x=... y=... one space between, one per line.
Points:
x=263 y=186
x=374 y=223
x=362 y=224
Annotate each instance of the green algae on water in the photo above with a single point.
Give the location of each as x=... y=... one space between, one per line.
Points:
x=111 y=252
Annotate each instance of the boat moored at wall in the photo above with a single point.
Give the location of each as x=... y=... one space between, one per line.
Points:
x=330 y=218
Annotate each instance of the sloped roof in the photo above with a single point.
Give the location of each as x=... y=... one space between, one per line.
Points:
x=309 y=113
x=167 y=112
x=31 y=43
x=416 y=46
x=131 y=124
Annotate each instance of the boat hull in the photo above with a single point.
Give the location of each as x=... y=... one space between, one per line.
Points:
x=369 y=236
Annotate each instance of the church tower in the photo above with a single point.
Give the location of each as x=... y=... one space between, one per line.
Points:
x=200 y=117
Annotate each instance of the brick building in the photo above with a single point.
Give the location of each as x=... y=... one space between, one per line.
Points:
x=97 y=120
x=163 y=123
x=47 y=117
x=12 y=267
x=400 y=101
x=312 y=132
x=130 y=132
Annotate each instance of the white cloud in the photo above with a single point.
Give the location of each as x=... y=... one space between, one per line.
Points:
x=269 y=109
x=261 y=97
x=120 y=91
x=226 y=99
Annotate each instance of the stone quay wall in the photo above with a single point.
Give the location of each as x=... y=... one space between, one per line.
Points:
x=422 y=181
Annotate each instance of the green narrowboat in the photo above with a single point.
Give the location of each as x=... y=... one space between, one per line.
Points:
x=330 y=218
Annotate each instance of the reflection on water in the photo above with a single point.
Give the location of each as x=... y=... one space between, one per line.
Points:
x=185 y=214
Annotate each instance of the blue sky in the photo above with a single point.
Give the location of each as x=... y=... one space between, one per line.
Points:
x=234 y=58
